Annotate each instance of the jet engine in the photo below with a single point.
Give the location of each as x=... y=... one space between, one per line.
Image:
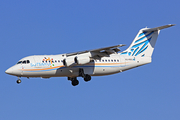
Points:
x=81 y=60
x=69 y=61
x=78 y=60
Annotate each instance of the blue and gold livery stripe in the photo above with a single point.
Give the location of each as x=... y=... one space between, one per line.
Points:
x=61 y=67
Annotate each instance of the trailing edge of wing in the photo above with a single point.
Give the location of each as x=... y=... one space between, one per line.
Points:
x=157 y=28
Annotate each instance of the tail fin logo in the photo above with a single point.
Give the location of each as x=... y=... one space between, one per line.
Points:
x=140 y=44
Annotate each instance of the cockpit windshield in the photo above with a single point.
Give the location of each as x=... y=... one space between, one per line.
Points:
x=24 y=62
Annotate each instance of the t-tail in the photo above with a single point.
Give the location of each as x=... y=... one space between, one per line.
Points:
x=144 y=42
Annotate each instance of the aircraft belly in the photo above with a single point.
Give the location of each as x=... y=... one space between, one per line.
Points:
x=70 y=72
x=38 y=74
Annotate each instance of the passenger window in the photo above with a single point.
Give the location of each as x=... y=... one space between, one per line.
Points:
x=58 y=60
x=55 y=61
x=108 y=60
x=102 y=60
x=114 y=60
x=111 y=60
x=118 y=60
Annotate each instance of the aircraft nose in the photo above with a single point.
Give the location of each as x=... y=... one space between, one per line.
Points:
x=9 y=71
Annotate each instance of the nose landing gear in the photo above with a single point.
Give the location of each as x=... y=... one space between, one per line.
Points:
x=18 y=81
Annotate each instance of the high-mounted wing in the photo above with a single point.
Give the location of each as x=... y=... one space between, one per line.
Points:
x=101 y=52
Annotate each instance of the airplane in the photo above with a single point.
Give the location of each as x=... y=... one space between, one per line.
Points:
x=96 y=62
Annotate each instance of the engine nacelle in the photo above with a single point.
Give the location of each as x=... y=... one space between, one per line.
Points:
x=81 y=60
x=69 y=61
x=78 y=60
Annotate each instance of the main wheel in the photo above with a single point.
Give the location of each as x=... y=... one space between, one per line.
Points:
x=87 y=78
x=75 y=82
x=18 y=81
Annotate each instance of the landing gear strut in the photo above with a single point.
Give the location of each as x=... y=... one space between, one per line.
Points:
x=85 y=76
x=74 y=80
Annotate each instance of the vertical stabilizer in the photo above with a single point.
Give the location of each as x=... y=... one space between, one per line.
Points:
x=144 y=42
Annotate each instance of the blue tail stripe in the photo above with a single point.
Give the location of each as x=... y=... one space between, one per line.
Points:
x=140 y=39
x=123 y=53
x=144 y=37
x=142 y=48
x=137 y=45
x=142 y=34
x=135 y=51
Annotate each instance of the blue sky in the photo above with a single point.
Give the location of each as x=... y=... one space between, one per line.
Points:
x=52 y=27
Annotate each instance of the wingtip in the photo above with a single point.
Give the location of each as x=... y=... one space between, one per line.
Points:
x=120 y=45
x=172 y=25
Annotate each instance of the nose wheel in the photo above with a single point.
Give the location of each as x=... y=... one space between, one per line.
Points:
x=18 y=81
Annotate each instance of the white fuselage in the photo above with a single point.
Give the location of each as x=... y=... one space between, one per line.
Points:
x=96 y=62
x=47 y=66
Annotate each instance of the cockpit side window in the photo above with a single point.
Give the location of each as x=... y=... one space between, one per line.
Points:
x=24 y=62
x=28 y=61
x=19 y=62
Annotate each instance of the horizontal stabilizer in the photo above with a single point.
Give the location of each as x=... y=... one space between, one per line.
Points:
x=157 y=28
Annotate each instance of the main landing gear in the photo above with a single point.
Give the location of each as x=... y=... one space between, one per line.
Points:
x=85 y=76
x=74 y=80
